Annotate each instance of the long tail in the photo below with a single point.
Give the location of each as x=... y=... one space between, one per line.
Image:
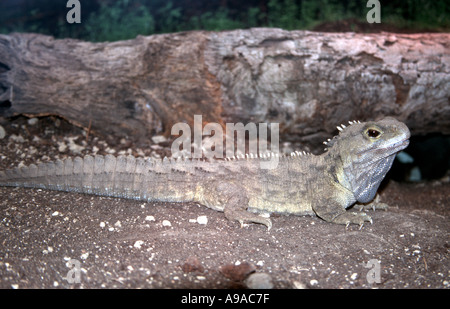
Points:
x=122 y=176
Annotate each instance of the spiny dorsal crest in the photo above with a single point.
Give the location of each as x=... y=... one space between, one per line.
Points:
x=330 y=142
x=266 y=155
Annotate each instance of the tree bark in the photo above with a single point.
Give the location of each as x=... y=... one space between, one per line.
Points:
x=309 y=82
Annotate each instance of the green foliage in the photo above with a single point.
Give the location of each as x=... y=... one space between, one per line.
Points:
x=169 y=18
x=119 y=21
x=284 y=14
x=214 y=21
x=110 y=20
x=418 y=14
x=254 y=17
x=217 y=20
x=20 y=25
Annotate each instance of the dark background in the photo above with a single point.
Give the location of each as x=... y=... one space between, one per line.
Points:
x=106 y=20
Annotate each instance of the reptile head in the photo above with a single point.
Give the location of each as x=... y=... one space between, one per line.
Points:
x=366 y=152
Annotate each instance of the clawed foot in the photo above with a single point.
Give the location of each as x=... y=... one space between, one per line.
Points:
x=372 y=206
x=243 y=217
x=353 y=218
x=259 y=220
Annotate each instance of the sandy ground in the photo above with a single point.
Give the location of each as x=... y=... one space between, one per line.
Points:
x=99 y=242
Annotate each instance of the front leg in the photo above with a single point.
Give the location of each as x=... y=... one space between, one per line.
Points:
x=333 y=211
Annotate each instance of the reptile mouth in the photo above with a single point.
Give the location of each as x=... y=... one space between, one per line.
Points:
x=397 y=146
x=401 y=145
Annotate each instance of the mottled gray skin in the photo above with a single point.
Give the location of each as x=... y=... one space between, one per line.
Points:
x=350 y=171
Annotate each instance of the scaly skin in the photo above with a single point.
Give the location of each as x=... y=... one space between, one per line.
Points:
x=349 y=171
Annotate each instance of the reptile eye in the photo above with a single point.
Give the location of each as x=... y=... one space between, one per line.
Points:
x=373 y=133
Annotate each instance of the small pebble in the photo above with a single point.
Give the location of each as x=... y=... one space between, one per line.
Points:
x=259 y=281
x=138 y=244
x=32 y=121
x=202 y=220
x=314 y=282
x=159 y=139
x=2 y=132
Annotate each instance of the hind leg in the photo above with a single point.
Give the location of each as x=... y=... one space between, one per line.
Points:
x=235 y=202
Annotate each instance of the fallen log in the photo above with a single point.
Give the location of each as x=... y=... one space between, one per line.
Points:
x=308 y=82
